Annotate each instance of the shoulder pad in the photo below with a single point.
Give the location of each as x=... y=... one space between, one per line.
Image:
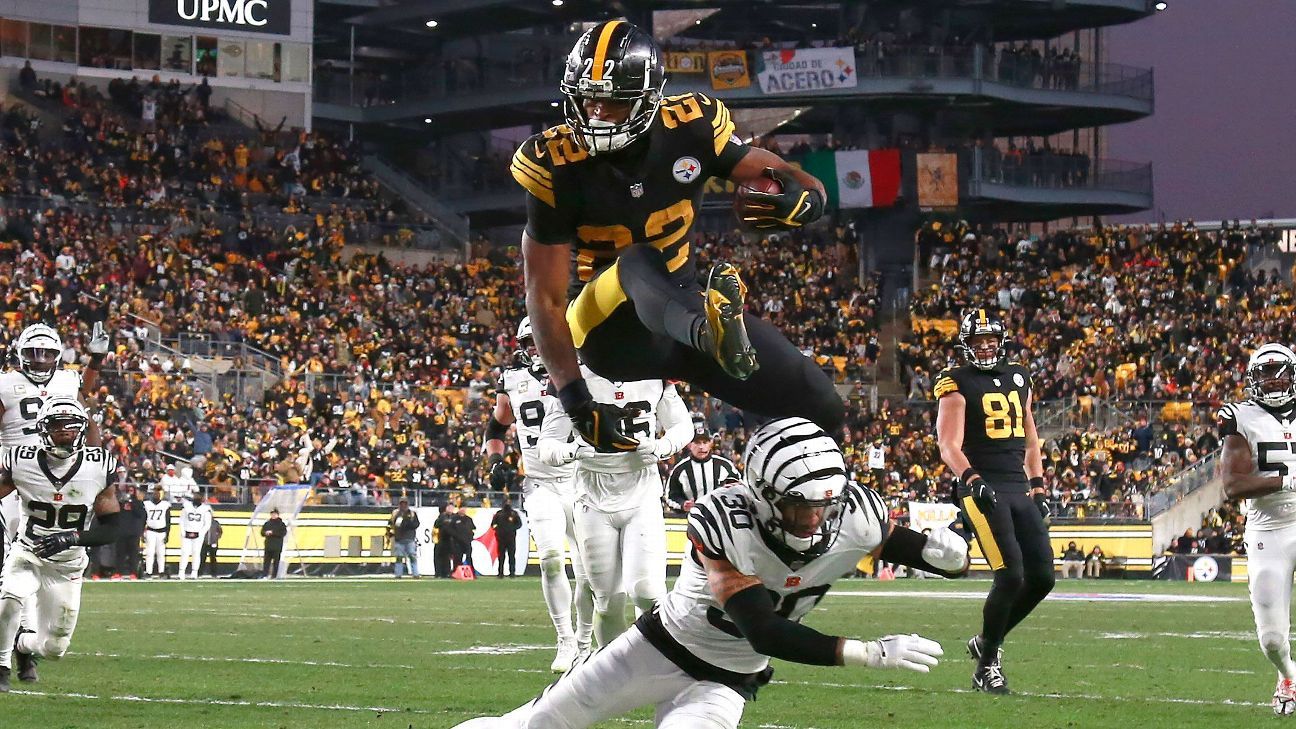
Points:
x=945 y=384
x=532 y=170
x=697 y=110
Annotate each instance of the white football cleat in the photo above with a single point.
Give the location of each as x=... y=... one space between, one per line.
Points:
x=562 y=662
x=1284 y=698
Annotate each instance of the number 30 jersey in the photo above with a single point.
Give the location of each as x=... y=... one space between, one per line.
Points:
x=1271 y=435
x=22 y=398
x=722 y=525
x=529 y=399
x=994 y=424
x=56 y=496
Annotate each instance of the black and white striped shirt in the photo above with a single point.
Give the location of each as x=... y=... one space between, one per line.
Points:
x=692 y=479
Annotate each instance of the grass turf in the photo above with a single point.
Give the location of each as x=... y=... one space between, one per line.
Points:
x=428 y=654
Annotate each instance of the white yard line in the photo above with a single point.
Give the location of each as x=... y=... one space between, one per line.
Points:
x=219 y=702
x=1053 y=597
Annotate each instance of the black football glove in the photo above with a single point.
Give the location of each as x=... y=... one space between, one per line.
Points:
x=1045 y=509
x=597 y=422
x=50 y=545
x=794 y=207
x=982 y=495
x=493 y=465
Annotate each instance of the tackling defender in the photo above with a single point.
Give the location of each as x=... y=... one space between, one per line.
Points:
x=549 y=495
x=615 y=191
x=765 y=551
x=59 y=483
x=987 y=435
x=1259 y=466
x=619 y=520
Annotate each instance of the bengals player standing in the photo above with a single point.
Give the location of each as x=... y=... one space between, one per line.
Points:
x=615 y=191
x=986 y=433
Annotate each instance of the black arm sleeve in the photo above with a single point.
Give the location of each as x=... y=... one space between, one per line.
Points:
x=105 y=531
x=773 y=635
x=905 y=547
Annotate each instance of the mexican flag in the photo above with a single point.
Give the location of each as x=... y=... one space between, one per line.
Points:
x=860 y=178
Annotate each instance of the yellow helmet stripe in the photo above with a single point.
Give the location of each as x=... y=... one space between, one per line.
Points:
x=600 y=50
x=982 y=316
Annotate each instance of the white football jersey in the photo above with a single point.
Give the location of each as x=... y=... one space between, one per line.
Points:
x=23 y=398
x=195 y=520
x=1272 y=438
x=158 y=514
x=529 y=400
x=57 y=495
x=722 y=525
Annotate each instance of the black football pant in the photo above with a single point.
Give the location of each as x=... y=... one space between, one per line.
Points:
x=270 y=563
x=1014 y=541
x=637 y=321
x=508 y=551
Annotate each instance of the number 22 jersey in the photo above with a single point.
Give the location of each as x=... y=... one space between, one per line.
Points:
x=722 y=525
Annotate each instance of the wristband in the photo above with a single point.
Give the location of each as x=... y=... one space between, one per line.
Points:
x=968 y=475
x=860 y=653
x=574 y=394
x=1037 y=483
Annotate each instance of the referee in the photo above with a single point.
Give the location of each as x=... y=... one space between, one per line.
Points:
x=698 y=475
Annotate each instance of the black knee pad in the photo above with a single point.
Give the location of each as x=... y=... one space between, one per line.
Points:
x=1009 y=578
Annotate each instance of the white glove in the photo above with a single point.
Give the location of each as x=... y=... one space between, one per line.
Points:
x=582 y=451
x=99 y=339
x=1289 y=482
x=664 y=449
x=946 y=550
x=912 y=651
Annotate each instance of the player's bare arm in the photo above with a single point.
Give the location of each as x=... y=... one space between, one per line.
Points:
x=1034 y=448
x=106 y=502
x=1241 y=480
x=949 y=432
x=546 y=268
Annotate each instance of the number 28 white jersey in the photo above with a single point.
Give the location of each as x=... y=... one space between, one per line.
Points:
x=529 y=401
x=22 y=399
x=722 y=525
x=1272 y=438
x=56 y=495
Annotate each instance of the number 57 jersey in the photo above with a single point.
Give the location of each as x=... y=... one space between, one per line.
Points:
x=722 y=525
x=1271 y=435
x=56 y=496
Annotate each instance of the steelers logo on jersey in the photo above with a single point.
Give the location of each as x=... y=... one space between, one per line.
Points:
x=686 y=170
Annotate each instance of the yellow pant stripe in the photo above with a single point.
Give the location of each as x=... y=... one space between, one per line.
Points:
x=985 y=537
x=595 y=303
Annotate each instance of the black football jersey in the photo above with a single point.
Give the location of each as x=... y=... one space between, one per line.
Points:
x=994 y=425
x=649 y=193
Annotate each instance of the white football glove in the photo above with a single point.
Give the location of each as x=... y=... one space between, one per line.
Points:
x=664 y=449
x=912 y=652
x=1289 y=482
x=946 y=550
x=99 y=339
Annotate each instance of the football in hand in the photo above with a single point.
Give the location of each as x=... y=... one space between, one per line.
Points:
x=760 y=184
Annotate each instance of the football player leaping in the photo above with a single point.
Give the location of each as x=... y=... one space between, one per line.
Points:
x=765 y=551
x=59 y=484
x=550 y=496
x=1259 y=466
x=619 y=521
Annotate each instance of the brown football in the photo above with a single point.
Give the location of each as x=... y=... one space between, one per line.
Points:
x=760 y=184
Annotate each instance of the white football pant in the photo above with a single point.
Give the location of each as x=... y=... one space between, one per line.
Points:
x=624 y=551
x=155 y=550
x=190 y=553
x=58 y=585
x=1271 y=560
x=551 y=520
x=11 y=515
x=625 y=675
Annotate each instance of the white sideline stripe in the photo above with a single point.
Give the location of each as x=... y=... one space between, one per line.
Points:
x=225 y=659
x=1057 y=597
x=494 y=650
x=219 y=702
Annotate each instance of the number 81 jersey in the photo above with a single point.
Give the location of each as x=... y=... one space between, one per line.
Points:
x=23 y=398
x=1271 y=436
x=722 y=525
x=56 y=496
x=994 y=425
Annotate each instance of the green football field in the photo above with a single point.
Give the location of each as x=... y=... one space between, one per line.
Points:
x=428 y=654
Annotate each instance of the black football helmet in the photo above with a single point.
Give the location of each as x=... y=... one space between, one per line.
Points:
x=982 y=355
x=613 y=60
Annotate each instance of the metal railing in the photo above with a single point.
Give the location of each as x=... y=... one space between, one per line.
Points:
x=1058 y=171
x=1179 y=486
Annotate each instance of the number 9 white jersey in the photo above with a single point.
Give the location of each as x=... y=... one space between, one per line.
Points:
x=22 y=398
x=722 y=525
x=49 y=507
x=1272 y=440
x=529 y=401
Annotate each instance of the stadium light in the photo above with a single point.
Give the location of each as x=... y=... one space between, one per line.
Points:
x=431 y=24
x=1160 y=5
x=554 y=104
x=557 y=3
x=427 y=120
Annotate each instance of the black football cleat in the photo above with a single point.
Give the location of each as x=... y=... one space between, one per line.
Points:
x=974 y=646
x=723 y=301
x=990 y=679
x=26 y=661
x=4 y=680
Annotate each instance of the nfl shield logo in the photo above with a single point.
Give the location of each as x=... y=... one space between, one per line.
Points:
x=636 y=190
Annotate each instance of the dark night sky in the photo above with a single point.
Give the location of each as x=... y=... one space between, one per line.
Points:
x=1223 y=139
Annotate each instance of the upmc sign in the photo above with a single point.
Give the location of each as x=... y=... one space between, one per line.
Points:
x=249 y=16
